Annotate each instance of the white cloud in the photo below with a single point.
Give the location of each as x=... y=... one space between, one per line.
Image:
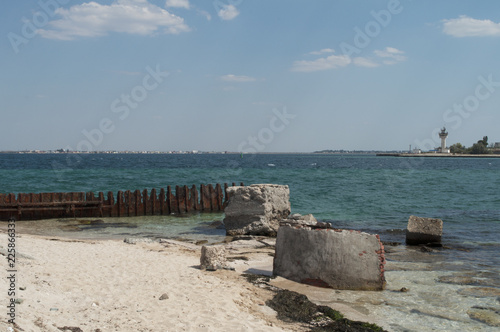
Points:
x=330 y=62
x=364 y=62
x=236 y=78
x=92 y=19
x=388 y=56
x=391 y=55
x=465 y=26
x=178 y=3
x=228 y=12
x=325 y=50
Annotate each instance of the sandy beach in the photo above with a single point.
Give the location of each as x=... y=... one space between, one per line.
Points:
x=115 y=286
x=76 y=285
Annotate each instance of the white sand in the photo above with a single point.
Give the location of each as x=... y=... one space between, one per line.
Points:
x=114 y=286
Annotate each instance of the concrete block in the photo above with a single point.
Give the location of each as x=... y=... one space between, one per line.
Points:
x=339 y=259
x=213 y=257
x=423 y=230
x=256 y=209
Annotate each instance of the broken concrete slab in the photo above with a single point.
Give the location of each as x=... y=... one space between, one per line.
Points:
x=423 y=230
x=256 y=209
x=339 y=259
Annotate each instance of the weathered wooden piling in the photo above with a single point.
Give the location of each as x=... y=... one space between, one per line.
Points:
x=35 y=206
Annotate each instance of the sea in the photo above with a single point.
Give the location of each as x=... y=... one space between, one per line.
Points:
x=452 y=288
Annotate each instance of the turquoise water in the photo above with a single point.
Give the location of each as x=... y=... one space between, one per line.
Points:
x=365 y=192
x=361 y=191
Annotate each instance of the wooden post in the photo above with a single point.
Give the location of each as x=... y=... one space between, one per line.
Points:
x=145 y=201
x=219 y=197
x=213 y=198
x=202 y=197
x=170 y=201
x=36 y=198
x=120 y=204
x=101 y=200
x=153 y=203
x=181 y=199
x=129 y=203
x=113 y=209
x=205 y=198
x=20 y=213
x=186 y=199
x=194 y=198
x=163 y=205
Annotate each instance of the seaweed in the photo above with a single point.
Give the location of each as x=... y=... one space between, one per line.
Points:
x=294 y=307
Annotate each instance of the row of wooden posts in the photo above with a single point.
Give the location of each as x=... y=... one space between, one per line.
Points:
x=128 y=203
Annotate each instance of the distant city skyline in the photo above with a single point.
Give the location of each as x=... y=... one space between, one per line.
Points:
x=247 y=76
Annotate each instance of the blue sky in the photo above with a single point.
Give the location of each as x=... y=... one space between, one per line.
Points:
x=247 y=75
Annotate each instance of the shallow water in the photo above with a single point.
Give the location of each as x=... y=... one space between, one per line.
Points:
x=190 y=227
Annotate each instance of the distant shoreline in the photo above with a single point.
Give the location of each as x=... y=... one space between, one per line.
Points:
x=355 y=152
x=438 y=155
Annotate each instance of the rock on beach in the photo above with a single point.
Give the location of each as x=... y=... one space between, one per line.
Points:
x=256 y=209
x=423 y=230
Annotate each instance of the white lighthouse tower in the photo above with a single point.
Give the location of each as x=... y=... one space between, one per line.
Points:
x=443 y=134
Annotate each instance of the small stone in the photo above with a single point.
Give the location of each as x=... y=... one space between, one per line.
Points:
x=134 y=240
x=19 y=301
x=54 y=309
x=404 y=290
x=22 y=288
x=164 y=296
x=213 y=257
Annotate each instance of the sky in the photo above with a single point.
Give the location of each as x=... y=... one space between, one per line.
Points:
x=248 y=75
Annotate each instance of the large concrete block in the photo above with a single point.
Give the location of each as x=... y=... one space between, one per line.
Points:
x=256 y=209
x=423 y=230
x=339 y=259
